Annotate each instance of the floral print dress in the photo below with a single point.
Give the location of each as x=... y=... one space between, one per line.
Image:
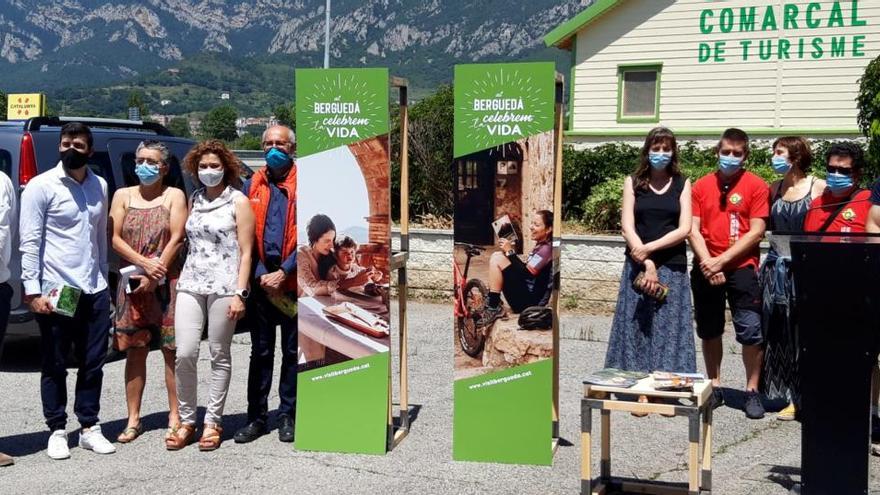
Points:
x=147 y=231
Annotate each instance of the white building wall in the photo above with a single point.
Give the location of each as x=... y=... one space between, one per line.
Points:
x=753 y=94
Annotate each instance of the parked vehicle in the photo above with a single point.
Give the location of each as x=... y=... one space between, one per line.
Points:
x=30 y=147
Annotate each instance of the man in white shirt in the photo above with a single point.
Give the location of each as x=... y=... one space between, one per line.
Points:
x=63 y=232
x=7 y=225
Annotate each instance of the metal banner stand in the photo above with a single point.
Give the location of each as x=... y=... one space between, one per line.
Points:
x=396 y=433
x=557 y=251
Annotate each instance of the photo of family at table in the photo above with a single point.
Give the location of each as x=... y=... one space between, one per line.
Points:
x=343 y=285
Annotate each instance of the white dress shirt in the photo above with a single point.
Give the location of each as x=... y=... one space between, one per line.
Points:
x=63 y=231
x=8 y=223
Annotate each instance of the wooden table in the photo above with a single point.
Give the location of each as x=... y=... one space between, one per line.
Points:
x=325 y=332
x=697 y=408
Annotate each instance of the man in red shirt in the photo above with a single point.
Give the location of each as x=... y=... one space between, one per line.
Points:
x=844 y=207
x=729 y=207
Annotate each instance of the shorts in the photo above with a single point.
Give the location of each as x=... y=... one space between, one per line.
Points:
x=742 y=293
x=516 y=289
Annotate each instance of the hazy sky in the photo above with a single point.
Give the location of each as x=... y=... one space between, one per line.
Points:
x=331 y=183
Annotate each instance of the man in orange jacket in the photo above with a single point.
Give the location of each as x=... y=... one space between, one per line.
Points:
x=272 y=193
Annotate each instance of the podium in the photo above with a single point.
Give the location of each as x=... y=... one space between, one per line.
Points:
x=837 y=285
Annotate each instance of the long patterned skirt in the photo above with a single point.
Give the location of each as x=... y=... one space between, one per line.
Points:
x=780 y=377
x=653 y=336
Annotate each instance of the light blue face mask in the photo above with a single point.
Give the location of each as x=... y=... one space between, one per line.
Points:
x=277 y=159
x=780 y=164
x=148 y=174
x=659 y=160
x=729 y=165
x=838 y=183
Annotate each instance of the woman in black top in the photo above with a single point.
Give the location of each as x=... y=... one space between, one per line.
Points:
x=649 y=334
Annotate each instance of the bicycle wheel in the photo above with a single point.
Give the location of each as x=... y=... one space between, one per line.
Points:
x=470 y=332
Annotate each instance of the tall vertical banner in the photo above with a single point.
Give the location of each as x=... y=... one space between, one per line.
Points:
x=504 y=175
x=343 y=259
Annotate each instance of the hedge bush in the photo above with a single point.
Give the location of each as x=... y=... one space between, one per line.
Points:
x=599 y=210
x=869 y=112
x=583 y=170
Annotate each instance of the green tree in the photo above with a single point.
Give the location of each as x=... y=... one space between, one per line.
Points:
x=430 y=151
x=179 y=126
x=219 y=123
x=869 y=113
x=247 y=141
x=286 y=115
x=136 y=100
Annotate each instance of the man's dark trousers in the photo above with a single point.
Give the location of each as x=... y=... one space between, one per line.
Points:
x=89 y=331
x=265 y=317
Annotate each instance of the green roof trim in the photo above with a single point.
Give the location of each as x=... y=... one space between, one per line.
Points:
x=756 y=131
x=573 y=25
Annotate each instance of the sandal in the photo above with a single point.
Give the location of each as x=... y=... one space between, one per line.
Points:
x=130 y=434
x=179 y=436
x=210 y=437
x=171 y=431
x=642 y=400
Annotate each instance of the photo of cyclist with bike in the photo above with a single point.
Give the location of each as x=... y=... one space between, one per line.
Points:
x=503 y=256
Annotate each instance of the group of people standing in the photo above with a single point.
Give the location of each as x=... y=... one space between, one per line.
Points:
x=189 y=265
x=723 y=217
x=231 y=249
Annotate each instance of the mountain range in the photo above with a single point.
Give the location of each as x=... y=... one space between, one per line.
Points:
x=85 y=53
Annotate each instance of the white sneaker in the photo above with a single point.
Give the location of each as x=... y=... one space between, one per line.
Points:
x=57 y=448
x=92 y=439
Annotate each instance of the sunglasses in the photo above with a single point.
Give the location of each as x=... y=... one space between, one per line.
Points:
x=840 y=170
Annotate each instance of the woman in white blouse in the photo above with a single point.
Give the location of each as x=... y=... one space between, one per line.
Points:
x=213 y=286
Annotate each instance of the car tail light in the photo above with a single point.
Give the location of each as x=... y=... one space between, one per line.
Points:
x=27 y=162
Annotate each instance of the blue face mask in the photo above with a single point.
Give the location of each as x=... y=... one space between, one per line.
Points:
x=729 y=165
x=780 y=164
x=659 y=160
x=838 y=183
x=148 y=174
x=277 y=159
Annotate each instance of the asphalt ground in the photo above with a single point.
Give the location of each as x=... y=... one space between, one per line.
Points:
x=750 y=457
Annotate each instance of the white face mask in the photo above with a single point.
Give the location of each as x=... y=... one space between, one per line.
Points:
x=211 y=177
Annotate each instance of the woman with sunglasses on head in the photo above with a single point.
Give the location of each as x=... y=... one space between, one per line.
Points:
x=213 y=286
x=790 y=199
x=651 y=333
x=147 y=224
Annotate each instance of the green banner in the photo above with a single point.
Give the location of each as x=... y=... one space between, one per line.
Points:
x=343 y=253
x=336 y=107
x=344 y=407
x=503 y=186
x=498 y=103
x=505 y=416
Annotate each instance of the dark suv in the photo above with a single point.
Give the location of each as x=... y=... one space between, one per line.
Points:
x=31 y=147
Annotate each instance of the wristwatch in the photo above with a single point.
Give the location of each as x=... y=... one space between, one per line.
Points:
x=510 y=253
x=243 y=293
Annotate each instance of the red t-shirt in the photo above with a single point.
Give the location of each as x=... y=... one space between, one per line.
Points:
x=851 y=218
x=721 y=227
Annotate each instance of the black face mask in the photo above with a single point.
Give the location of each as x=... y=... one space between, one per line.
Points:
x=73 y=159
